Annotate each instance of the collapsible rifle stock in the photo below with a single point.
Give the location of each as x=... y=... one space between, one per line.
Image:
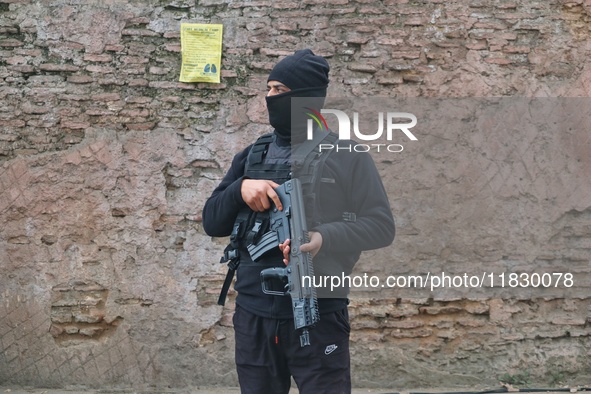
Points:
x=291 y=223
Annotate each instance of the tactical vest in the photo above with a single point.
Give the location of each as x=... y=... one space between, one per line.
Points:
x=306 y=163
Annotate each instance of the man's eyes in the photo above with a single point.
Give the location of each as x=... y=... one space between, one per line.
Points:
x=278 y=88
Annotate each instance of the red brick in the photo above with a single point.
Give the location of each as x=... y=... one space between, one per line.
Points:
x=8 y=30
x=34 y=109
x=99 y=58
x=322 y=2
x=405 y=54
x=390 y=80
x=100 y=69
x=367 y=29
x=24 y=69
x=141 y=126
x=14 y=60
x=390 y=41
x=416 y=333
x=141 y=20
x=158 y=70
x=229 y=74
x=409 y=10
x=448 y=44
x=490 y=25
x=134 y=69
x=114 y=48
x=283 y=5
x=134 y=60
x=139 y=32
x=74 y=97
x=98 y=112
x=138 y=82
x=171 y=99
x=211 y=86
x=65 y=45
x=58 y=67
x=363 y=67
x=172 y=47
x=263 y=65
x=139 y=100
x=111 y=81
x=12 y=123
x=251 y=4
x=135 y=112
x=480 y=45
x=274 y=52
x=507 y=6
x=80 y=79
x=498 y=60
x=27 y=52
x=207 y=3
x=162 y=84
x=11 y=42
x=358 y=40
x=335 y=11
x=371 y=10
x=417 y=21
x=412 y=78
x=516 y=49
x=72 y=124
x=287 y=26
x=316 y=24
x=106 y=97
x=69 y=111
x=515 y=16
x=526 y=25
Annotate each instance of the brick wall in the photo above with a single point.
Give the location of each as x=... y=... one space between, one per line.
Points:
x=108 y=279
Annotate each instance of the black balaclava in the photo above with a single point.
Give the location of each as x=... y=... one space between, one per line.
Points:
x=307 y=76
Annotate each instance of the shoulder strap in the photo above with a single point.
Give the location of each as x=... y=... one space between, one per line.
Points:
x=303 y=150
x=308 y=160
x=309 y=171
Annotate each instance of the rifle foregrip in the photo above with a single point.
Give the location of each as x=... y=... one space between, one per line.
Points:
x=270 y=275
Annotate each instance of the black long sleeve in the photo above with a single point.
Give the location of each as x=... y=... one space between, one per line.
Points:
x=363 y=194
x=220 y=210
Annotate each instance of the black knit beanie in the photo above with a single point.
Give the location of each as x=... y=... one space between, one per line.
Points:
x=301 y=70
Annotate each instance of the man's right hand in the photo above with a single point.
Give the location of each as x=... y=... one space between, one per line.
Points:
x=257 y=192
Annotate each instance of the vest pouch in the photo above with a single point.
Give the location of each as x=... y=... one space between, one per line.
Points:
x=260 y=241
x=267 y=245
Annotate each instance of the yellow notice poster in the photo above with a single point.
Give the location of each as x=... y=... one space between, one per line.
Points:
x=201 y=47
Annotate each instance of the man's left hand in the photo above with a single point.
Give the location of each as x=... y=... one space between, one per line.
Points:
x=313 y=246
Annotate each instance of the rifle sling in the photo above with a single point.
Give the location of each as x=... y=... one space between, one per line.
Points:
x=227 y=284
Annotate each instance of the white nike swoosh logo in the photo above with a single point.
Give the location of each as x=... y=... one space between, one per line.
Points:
x=329 y=349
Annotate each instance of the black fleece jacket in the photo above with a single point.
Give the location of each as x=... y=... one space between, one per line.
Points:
x=350 y=182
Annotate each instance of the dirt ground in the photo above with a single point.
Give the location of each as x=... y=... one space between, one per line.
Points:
x=213 y=390
x=235 y=390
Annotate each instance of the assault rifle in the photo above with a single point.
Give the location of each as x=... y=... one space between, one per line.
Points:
x=291 y=223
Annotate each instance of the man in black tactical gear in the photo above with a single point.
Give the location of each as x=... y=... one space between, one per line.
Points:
x=351 y=213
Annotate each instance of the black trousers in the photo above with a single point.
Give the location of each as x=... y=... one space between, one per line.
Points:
x=268 y=354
